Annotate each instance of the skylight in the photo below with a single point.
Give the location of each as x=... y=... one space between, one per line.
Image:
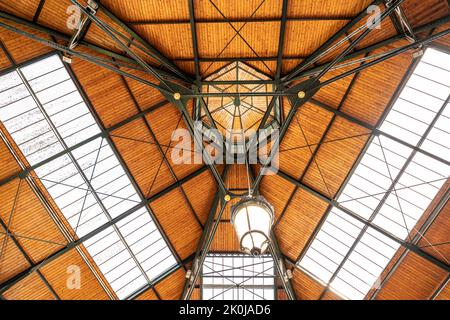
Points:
x=392 y=186
x=238 y=277
x=43 y=111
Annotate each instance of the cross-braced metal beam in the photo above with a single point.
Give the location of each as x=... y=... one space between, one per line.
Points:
x=129 y=175
x=282 y=40
x=205 y=241
x=339 y=113
x=13 y=238
x=320 y=51
x=73 y=244
x=124 y=43
x=441 y=287
x=308 y=88
x=120 y=60
x=386 y=196
x=194 y=41
x=284 y=274
x=125 y=62
x=401 y=23
x=361 y=52
x=136 y=39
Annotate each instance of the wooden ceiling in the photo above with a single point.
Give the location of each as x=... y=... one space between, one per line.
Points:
x=319 y=150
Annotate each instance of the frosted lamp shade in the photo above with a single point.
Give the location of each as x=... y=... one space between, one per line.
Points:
x=252 y=219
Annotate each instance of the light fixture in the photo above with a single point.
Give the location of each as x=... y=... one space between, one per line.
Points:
x=252 y=218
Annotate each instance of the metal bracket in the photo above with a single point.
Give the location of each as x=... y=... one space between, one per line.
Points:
x=418 y=53
x=401 y=22
x=82 y=28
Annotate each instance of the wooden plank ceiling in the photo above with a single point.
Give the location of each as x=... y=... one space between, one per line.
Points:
x=319 y=149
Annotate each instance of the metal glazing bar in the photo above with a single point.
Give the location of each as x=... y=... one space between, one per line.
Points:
x=281 y=40
x=383 y=43
x=109 y=31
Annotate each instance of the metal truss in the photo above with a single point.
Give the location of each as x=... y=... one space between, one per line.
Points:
x=216 y=271
x=74 y=244
x=179 y=95
x=392 y=190
x=15 y=239
x=141 y=65
x=324 y=47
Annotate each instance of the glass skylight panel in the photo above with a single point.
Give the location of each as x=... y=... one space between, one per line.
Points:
x=331 y=244
x=415 y=190
x=45 y=114
x=392 y=186
x=238 y=277
x=371 y=180
x=438 y=140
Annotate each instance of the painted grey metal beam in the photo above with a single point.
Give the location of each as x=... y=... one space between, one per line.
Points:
x=160 y=278
x=329 y=42
x=386 y=13
x=386 y=196
x=389 y=55
x=401 y=23
x=71 y=245
x=128 y=173
x=417 y=237
x=441 y=288
x=94 y=48
x=115 y=35
x=326 y=107
x=81 y=172
x=100 y=63
x=309 y=88
x=27 y=258
x=30 y=182
x=309 y=164
x=96 y=60
x=205 y=240
x=23 y=173
x=280 y=267
x=240 y=59
x=277 y=256
x=155 y=53
x=237 y=82
x=358 y=160
x=237 y=20
x=181 y=104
